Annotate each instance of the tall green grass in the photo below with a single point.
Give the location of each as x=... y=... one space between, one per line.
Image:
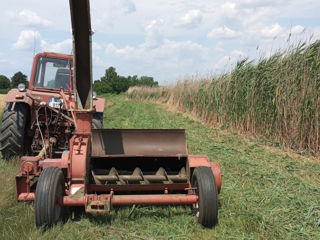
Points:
x=277 y=97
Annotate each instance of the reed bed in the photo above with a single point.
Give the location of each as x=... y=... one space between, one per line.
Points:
x=276 y=97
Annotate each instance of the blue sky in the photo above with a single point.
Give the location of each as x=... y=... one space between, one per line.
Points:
x=166 y=39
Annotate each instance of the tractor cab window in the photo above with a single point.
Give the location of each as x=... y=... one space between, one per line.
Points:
x=53 y=73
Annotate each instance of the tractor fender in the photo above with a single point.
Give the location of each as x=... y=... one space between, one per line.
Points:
x=203 y=160
x=99 y=104
x=14 y=95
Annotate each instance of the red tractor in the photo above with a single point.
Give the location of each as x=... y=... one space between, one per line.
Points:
x=37 y=111
x=98 y=169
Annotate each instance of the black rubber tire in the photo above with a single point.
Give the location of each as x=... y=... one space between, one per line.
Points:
x=13 y=130
x=206 y=209
x=50 y=188
x=97 y=120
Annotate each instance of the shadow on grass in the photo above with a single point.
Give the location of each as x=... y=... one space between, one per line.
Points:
x=130 y=213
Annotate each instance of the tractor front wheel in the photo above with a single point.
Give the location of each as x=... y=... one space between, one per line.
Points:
x=50 y=188
x=97 y=120
x=206 y=209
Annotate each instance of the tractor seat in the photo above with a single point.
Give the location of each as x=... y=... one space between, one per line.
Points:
x=62 y=78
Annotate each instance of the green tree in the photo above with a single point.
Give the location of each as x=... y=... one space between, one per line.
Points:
x=101 y=87
x=147 y=81
x=111 y=82
x=4 y=82
x=17 y=78
x=117 y=83
x=133 y=80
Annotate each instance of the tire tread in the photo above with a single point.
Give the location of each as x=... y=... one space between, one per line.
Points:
x=12 y=130
x=208 y=196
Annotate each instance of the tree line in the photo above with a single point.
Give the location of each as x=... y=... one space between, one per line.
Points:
x=111 y=82
x=17 y=78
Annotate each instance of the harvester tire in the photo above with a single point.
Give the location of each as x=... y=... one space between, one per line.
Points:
x=50 y=188
x=206 y=209
x=97 y=120
x=13 y=129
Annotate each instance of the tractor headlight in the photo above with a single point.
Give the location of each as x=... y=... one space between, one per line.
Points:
x=94 y=95
x=21 y=87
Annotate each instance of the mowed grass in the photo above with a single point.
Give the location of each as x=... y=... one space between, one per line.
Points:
x=265 y=194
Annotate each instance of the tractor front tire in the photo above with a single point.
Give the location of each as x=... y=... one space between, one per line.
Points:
x=13 y=130
x=97 y=120
x=50 y=188
x=206 y=209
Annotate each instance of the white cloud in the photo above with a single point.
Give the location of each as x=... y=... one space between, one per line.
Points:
x=257 y=3
x=127 y=6
x=158 y=48
x=223 y=32
x=27 y=39
x=163 y=57
x=190 y=20
x=227 y=62
x=180 y=37
x=154 y=33
x=29 y=18
x=237 y=53
x=98 y=62
x=110 y=13
x=272 y=31
x=32 y=40
x=298 y=29
x=96 y=46
x=64 y=46
x=229 y=9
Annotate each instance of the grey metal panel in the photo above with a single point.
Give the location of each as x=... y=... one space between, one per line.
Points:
x=138 y=142
x=81 y=30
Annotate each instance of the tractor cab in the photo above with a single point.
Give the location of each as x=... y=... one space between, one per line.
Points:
x=52 y=71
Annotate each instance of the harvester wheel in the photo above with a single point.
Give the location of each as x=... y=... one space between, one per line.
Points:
x=50 y=188
x=97 y=120
x=13 y=129
x=206 y=209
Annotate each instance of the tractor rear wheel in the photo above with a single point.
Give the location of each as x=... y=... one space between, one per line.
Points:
x=13 y=129
x=206 y=209
x=97 y=120
x=50 y=188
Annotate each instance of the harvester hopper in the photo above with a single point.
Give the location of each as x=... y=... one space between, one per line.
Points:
x=104 y=168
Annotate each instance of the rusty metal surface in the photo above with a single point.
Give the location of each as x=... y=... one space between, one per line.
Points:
x=203 y=160
x=26 y=197
x=154 y=199
x=138 y=187
x=81 y=30
x=138 y=142
x=120 y=200
x=216 y=170
x=99 y=104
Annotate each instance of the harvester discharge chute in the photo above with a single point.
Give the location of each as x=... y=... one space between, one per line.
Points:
x=104 y=168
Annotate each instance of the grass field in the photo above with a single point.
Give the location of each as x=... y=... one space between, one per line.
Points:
x=266 y=193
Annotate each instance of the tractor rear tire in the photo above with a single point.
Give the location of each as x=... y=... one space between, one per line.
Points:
x=206 y=209
x=97 y=120
x=13 y=130
x=50 y=188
